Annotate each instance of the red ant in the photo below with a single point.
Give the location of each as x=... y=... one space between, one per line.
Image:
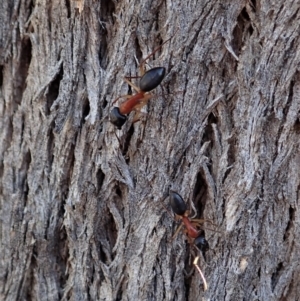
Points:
x=194 y=235
x=149 y=81
x=179 y=208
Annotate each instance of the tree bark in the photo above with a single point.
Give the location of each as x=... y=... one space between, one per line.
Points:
x=84 y=213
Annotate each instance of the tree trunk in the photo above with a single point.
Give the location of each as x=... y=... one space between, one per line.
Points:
x=84 y=213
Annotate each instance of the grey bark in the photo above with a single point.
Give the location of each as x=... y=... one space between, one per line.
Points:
x=82 y=204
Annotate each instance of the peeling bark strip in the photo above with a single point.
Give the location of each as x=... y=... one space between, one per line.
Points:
x=82 y=205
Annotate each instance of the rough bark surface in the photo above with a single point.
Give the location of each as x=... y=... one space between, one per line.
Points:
x=82 y=204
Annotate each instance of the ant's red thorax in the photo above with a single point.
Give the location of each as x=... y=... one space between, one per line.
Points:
x=127 y=106
x=191 y=230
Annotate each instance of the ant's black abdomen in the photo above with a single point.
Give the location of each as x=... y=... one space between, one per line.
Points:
x=177 y=203
x=152 y=78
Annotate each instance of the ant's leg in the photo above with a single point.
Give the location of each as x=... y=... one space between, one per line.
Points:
x=139 y=106
x=202 y=221
x=143 y=101
x=177 y=231
x=142 y=64
x=131 y=85
x=137 y=116
x=123 y=96
x=132 y=76
x=198 y=221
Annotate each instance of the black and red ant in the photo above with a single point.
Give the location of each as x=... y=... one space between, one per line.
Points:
x=149 y=81
x=195 y=236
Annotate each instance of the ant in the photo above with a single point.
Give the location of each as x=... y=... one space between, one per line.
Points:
x=149 y=81
x=179 y=208
x=194 y=235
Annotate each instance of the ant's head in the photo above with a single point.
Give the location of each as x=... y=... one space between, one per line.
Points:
x=177 y=203
x=117 y=118
x=201 y=243
x=152 y=78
